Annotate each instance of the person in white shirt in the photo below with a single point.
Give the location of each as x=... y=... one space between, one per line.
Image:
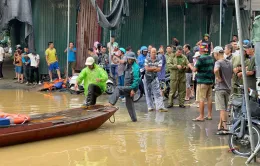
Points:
x=2 y=53
x=35 y=61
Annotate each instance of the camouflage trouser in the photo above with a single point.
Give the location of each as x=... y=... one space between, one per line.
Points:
x=153 y=95
x=179 y=85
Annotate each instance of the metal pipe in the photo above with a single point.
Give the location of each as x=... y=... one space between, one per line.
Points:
x=184 y=27
x=167 y=21
x=239 y=29
x=68 y=40
x=220 y=23
x=110 y=46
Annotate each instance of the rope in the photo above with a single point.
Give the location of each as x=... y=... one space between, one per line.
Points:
x=114 y=119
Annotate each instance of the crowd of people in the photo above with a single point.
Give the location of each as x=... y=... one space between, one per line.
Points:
x=194 y=73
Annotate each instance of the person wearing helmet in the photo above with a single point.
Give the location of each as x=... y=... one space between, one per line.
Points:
x=131 y=84
x=206 y=39
x=142 y=57
x=94 y=78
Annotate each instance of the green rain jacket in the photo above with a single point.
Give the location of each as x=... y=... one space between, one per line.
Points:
x=90 y=76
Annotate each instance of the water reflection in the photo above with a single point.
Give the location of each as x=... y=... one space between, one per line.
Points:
x=157 y=139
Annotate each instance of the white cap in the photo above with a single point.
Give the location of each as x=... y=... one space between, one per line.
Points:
x=89 y=61
x=218 y=49
x=197 y=54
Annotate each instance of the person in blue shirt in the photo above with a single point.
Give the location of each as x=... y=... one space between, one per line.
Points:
x=142 y=56
x=72 y=57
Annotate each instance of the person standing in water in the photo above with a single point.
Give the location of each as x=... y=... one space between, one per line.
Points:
x=131 y=84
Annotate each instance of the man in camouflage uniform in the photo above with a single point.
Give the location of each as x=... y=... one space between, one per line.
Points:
x=177 y=65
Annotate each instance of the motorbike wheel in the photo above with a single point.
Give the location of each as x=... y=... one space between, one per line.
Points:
x=138 y=95
x=241 y=146
x=110 y=88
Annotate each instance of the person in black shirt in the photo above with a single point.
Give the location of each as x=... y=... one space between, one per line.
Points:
x=206 y=39
x=175 y=43
x=189 y=55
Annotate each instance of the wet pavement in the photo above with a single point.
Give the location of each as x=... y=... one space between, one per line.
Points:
x=157 y=139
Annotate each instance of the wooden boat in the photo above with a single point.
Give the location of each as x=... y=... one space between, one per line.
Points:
x=62 y=123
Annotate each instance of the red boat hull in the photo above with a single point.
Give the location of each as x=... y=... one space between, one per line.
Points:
x=48 y=130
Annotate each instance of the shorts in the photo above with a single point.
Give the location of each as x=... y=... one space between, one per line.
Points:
x=204 y=92
x=221 y=99
x=19 y=69
x=54 y=66
x=72 y=65
x=188 y=79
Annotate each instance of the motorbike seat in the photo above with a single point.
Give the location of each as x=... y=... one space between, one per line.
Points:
x=237 y=102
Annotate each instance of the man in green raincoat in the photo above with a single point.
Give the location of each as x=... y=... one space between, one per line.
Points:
x=94 y=78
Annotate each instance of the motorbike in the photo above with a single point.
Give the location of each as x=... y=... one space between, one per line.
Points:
x=239 y=139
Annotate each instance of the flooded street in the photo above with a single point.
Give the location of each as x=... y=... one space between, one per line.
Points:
x=157 y=139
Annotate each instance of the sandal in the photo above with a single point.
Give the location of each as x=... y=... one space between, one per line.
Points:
x=208 y=118
x=197 y=120
x=221 y=127
x=222 y=133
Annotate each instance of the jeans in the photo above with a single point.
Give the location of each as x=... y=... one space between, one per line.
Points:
x=36 y=71
x=114 y=72
x=121 y=80
x=124 y=90
x=153 y=90
x=94 y=91
x=26 y=70
x=1 y=69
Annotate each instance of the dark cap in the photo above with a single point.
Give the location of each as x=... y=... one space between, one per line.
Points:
x=179 y=48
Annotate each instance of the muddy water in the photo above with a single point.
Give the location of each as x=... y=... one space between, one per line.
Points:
x=157 y=139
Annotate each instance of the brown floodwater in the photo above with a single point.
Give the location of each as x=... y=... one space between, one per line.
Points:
x=157 y=139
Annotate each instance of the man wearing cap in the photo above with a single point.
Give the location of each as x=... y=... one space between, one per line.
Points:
x=223 y=74
x=131 y=84
x=206 y=40
x=251 y=69
x=94 y=78
x=205 y=79
x=237 y=70
x=177 y=65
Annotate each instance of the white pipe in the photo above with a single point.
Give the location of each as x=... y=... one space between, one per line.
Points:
x=68 y=39
x=239 y=29
x=220 y=24
x=167 y=21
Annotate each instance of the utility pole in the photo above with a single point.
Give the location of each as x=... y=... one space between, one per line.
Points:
x=167 y=21
x=239 y=29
